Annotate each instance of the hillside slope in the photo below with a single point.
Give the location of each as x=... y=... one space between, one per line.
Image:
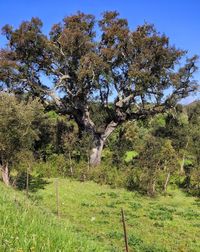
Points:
x=90 y=220
x=25 y=227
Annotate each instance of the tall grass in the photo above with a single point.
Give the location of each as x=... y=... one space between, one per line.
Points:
x=165 y=223
x=90 y=220
x=26 y=227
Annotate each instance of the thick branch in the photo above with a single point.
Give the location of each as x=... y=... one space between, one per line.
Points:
x=109 y=129
x=54 y=97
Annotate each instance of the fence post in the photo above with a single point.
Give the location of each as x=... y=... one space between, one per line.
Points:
x=57 y=198
x=27 y=181
x=125 y=233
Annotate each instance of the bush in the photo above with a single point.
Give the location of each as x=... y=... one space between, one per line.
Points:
x=107 y=174
x=55 y=166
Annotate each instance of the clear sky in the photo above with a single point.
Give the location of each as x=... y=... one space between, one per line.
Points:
x=178 y=19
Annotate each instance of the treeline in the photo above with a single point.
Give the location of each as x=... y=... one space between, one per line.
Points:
x=144 y=155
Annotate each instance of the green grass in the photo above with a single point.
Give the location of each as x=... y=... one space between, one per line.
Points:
x=30 y=228
x=91 y=221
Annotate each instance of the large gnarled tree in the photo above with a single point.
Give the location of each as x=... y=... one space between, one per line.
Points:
x=129 y=74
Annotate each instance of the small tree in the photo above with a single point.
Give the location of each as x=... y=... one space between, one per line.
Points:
x=18 y=124
x=169 y=161
x=24 y=160
x=157 y=158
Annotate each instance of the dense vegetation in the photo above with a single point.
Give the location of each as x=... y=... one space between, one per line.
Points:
x=144 y=155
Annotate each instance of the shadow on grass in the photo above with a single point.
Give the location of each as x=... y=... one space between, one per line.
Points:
x=34 y=182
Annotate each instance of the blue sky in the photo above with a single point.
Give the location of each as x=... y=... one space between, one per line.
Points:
x=178 y=19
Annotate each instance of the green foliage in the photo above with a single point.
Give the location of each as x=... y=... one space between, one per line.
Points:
x=55 y=166
x=35 y=182
x=52 y=115
x=19 y=122
x=188 y=162
x=88 y=74
x=138 y=155
x=97 y=68
x=129 y=155
x=159 y=121
x=103 y=174
x=160 y=215
x=156 y=160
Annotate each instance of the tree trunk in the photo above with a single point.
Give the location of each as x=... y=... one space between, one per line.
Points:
x=166 y=182
x=98 y=143
x=70 y=164
x=183 y=159
x=95 y=156
x=82 y=118
x=27 y=181
x=154 y=187
x=5 y=174
x=182 y=165
x=151 y=187
x=88 y=160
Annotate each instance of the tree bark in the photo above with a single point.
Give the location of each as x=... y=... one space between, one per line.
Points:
x=82 y=118
x=166 y=182
x=27 y=181
x=5 y=174
x=70 y=164
x=182 y=165
x=151 y=187
x=96 y=152
x=183 y=159
x=98 y=143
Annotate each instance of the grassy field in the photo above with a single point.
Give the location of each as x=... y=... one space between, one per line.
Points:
x=25 y=227
x=90 y=220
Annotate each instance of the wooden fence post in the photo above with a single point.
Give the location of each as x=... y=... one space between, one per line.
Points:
x=57 y=198
x=125 y=232
x=27 y=181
